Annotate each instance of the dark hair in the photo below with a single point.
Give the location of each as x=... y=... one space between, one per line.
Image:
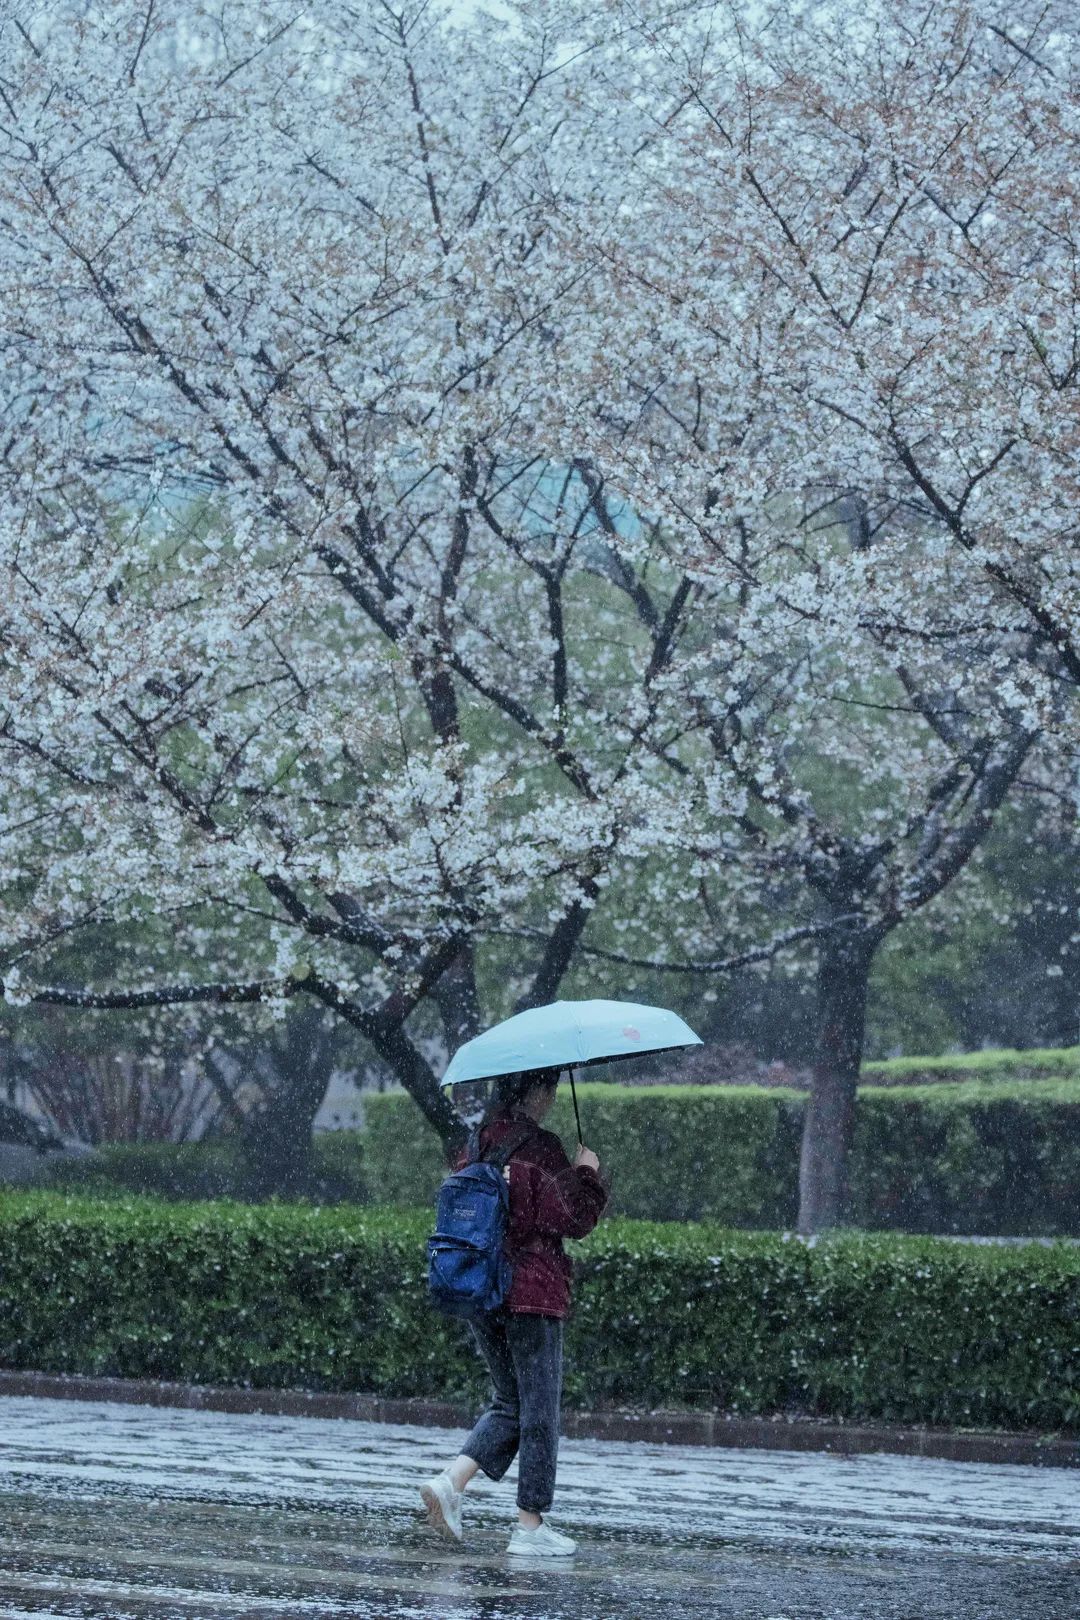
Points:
x=510 y=1090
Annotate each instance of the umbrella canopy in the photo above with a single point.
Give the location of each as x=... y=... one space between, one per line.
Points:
x=568 y=1035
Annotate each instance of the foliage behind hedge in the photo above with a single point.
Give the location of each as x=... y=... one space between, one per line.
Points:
x=978 y=1157
x=202 y=1170
x=906 y=1329
x=985 y=1157
x=999 y=1063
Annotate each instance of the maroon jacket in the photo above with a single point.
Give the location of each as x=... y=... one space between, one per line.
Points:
x=549 y=1200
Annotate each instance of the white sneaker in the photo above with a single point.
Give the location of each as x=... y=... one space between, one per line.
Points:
x=443 y=1504
x=543 y=1542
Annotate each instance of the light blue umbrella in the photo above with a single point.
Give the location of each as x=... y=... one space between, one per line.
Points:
x=568 y=1035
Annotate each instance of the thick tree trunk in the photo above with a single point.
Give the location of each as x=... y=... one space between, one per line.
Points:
x=454 y=993
x=390 y=1039
x=457 y=1000
x=278 y=1150
x=412 y=1069
x=842 y=977
x=278 y=1136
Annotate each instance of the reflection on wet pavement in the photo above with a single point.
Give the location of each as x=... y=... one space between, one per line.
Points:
x=111 y=1511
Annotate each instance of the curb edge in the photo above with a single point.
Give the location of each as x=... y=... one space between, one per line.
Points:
x=716 y=1429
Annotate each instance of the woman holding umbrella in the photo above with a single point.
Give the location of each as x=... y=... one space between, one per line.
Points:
x=550 y=1198
x=522 y=1342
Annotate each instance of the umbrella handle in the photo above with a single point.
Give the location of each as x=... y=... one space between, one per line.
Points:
x=577 y=1116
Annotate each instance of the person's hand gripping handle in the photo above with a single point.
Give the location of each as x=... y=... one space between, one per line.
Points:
x=586 y=1155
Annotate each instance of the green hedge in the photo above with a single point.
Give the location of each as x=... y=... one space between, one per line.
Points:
x=904 y=1329
x=201 y=1170
x=1000 y=1063
x=979 y=1157
x=675 y=1152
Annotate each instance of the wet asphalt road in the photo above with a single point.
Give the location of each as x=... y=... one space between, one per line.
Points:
x=116 y=1511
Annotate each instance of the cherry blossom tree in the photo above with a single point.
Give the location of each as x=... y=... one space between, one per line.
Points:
x=448 y=470
x=292 y=683
x=867 y=775
x=847 y=391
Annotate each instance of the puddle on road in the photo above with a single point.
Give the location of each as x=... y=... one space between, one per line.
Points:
x=110 y=1513
x=271 y=1553
x=80 y=1558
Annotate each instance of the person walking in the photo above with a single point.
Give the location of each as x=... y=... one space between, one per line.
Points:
x=550 y=1199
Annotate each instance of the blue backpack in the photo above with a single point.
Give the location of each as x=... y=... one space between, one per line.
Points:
x=468 y=1272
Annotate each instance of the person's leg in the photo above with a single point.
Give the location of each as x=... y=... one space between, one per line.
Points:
x=493 y=1442
x=536 y=1347
x=461 y=1470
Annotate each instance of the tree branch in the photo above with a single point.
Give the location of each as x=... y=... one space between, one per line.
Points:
x=727 y=964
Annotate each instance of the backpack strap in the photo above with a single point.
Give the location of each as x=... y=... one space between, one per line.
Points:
x=501 y=1155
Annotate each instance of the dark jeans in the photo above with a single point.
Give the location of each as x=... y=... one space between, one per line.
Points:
x=524 y=1356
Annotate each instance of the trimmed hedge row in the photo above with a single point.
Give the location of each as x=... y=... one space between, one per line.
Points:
x=976 y=1157
x=204 y=1170
x=983 y=1157
x=897 y=1329
x=999 y=1063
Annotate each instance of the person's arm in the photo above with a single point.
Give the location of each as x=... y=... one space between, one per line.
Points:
x=570 y=1198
